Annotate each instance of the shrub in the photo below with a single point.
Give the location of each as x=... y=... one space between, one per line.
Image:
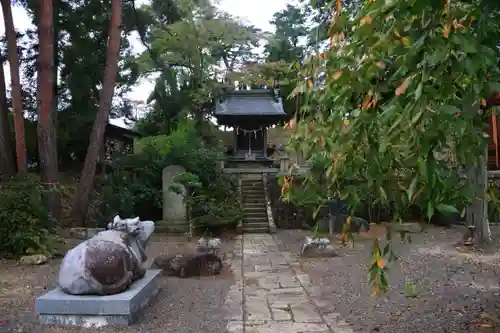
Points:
x=213 y=202
x=135 y=186
x=24 y=220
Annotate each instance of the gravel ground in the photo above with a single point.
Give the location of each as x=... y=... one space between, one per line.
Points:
x=182 y=306
x=455 y=287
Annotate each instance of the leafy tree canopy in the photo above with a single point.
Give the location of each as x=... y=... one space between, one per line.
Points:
x=404 y=82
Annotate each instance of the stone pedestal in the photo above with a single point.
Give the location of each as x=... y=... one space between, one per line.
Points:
x=58 y=308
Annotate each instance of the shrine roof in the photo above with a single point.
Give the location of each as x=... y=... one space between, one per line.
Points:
x=257 y=102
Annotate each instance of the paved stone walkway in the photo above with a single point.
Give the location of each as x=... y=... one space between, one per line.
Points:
x=273 y=295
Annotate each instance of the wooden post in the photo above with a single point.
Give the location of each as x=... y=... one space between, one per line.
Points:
x=477 y=212
x=235 y=140
x=264 y=135
x=284 y=163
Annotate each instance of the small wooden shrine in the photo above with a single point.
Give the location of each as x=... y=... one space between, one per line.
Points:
x=250 y=113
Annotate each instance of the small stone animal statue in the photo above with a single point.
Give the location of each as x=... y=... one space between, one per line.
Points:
x=108 y=262
x=211 y=245
x=204 y=261
x=317 y=248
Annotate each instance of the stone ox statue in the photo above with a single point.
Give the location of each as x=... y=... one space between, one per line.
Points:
x=109 y=262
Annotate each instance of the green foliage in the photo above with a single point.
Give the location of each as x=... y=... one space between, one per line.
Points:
x=169 y=106
x=290 y=24
x=404 y=82
x=187 y=53
x=213 y=201
x=24 y=220
x=493 y=196
x=135 y=186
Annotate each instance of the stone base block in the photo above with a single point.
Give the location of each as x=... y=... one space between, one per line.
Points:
x=58 y=308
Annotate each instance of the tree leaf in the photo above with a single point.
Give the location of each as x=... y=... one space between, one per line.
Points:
x=386 y=250
x=444 y=208
x=430 y=210
x=365 y=20
x=316 y=212
x=403 y=86
x=411 y=189
x=450 y=109
x=418 y=91
x=382 y=193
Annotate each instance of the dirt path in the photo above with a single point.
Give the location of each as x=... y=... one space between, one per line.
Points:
x=183 y=305
x=454 y=288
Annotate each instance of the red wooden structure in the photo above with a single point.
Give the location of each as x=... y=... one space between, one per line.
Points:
x=493 y=144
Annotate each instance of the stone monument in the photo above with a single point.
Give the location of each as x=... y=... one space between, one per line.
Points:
x=174 y=205
x=103 y=279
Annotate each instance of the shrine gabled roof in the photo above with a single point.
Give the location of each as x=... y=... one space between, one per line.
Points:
x=258 y=102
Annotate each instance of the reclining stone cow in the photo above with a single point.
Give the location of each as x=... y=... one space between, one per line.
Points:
x=108 y=262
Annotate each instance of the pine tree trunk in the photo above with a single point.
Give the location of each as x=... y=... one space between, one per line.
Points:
x=47 y=143
x=7 y=164
x=80 y=207
x=55 y=30
x=17 y=99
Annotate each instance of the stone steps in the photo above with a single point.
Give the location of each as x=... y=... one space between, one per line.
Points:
x=256 y=226
x=258 y=216
x=256 y=230
x=254 y=206
x=252 y=197
x=252 y=190
x=254 y=209
x=253 y=194
x=254 y=203
x=255 y=219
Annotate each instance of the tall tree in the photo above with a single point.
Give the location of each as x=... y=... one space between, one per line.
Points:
x=290 y=25
x=80 y=42
x=7 y=164
x=47 y=144
x=17 y=99
x=191 y=45
x=80 y=207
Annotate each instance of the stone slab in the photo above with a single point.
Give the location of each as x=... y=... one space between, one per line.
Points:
x=174 y=205
x=56 y=307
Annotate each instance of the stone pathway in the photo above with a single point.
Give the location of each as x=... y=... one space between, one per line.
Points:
x=272 y=294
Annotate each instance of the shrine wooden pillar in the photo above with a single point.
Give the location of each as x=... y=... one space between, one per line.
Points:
x=493 y=158
x=264 y=135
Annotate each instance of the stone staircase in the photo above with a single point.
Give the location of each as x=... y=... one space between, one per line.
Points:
x=254 y=205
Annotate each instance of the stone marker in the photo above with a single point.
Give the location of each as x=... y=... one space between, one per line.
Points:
x=174 y=207
x=59 y=308
x=317 y=248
